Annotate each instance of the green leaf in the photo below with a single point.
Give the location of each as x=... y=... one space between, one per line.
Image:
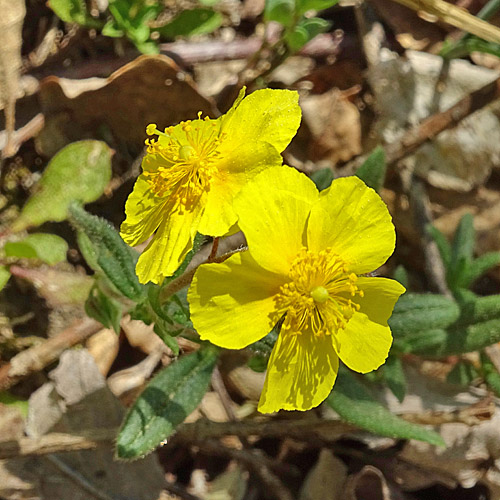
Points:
x=104 y=309
x=280 y=11
x=490 y=373
x=73 y=11
x=322 y=178
x=116 y=259
x=480 y=266
x=305 y=30
x=395 y=377
x=165 y=403
x=424 y=342
x=479 y=309
x=80 y=171
x=373 y=170
x=48 y=248
x=415 y=312
x=305 y=5
x=258 y=363
x=4 y=276
x=192 y=22
x=401 y=275
x=352 y=401
x=209 y=3
x=442 y=243
x=461 y=374
x=10 y=400
x=110 y=29
x=462 y=249
x=163 y=329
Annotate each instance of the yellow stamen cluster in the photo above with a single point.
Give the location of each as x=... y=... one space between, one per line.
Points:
x=318 y=297
x=183 y=160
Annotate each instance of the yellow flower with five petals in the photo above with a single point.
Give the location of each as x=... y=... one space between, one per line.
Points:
x=193 y=171
x=308 y=253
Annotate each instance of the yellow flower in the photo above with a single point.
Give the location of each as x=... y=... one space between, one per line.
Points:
x=307 y=255
x=193 y=171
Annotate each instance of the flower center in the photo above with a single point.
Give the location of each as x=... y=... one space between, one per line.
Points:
x=183 y=160
x=318 y=297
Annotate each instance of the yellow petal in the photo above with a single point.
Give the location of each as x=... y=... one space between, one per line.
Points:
x=236 y=168
x=272 y=211
x=144 y=213
x=380 y=296
x=300 y=374
x=364 y=344
x=232 y=304
x=352 y=219
x=169 y=246
x=266 y=115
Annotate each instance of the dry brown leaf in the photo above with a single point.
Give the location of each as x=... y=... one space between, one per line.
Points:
x=141 y=336
x=369 y=484
x=326 y=480
x=150 y=89
x=335 y=127
x=78 y=399
x=103 y=347
x=11 y=23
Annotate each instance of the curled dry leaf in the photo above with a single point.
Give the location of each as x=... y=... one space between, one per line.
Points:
x=458 y=159
x=326 y=480
x=103 y=347
x=150 y=89
x=368 y=484
x=334 y=123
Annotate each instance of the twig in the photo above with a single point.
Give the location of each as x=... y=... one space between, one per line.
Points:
x=198 y=431
x=78 y=479
x=434 y=125
x=36 y=358
x=455 y=16
x=184 y=279
x=420 y=208
x=30 y=130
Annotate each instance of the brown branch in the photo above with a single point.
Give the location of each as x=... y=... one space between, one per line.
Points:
x=434 y=125
x=36 y=358
x=199 y=431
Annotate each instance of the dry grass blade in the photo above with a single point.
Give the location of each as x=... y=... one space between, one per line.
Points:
x=455 y=16
x=11 y=23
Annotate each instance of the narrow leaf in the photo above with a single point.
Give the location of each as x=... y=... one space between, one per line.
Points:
x=4 y=276
x=373 y=170
x=104 y=309
x=79 y=171
x=322 y=178
x=165 y=403
x=442 y=243
x=352 y=401
x=417 y=312
x=481 y=266
x=395 y=376
x=114 y=256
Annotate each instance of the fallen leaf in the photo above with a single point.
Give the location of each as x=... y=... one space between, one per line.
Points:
x=334 y=123
x=150 y=89
x=326 y=480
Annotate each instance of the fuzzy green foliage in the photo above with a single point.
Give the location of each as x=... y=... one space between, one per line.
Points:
x=167 y=400
x=108 y=251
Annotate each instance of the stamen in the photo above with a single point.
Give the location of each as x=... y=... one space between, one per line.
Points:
x=184 y=160
x=316 y=300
